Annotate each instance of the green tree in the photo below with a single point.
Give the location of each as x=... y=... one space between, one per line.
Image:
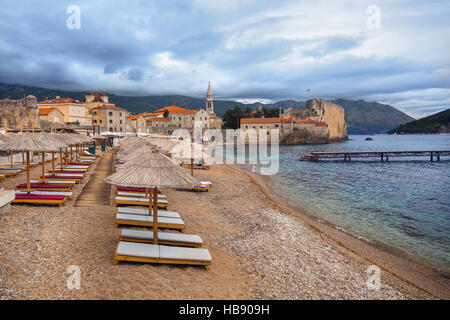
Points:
x=166 y=113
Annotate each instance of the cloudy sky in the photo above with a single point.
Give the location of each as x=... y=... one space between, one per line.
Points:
x=396 y=51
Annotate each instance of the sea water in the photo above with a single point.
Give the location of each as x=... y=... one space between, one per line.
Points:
x=402 y=205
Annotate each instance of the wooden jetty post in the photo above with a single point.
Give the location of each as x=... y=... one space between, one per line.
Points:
x=431 y=156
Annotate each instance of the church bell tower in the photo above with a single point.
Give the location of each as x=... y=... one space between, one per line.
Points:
x=209 y=100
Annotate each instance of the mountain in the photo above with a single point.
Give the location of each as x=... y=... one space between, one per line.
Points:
x=436 y=123
x=362 y=117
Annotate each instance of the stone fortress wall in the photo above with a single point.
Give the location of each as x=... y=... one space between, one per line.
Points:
x=19 y=113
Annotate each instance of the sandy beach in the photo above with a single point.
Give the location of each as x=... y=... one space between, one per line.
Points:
x=260 y=250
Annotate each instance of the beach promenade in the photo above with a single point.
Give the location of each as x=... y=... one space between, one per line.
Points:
x=259 y=252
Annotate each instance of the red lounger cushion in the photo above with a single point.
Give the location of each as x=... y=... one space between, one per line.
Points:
x=39 y=197
x=63 y=177
x=77 y=163
x=134 y=189
x=68 y=171
x=45 y=185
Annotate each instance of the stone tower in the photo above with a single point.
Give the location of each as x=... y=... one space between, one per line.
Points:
x=209 y=100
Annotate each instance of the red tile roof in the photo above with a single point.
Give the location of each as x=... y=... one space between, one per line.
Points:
x=157 y=119
x=107 y=106
x=46 y=111
x=175 y=109
x=60 y=100
x=267 y=120
x=305 y=121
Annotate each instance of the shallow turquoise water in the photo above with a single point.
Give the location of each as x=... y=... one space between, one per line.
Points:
x=403 y=205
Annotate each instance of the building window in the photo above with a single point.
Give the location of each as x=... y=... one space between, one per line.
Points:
x=120 y=114
x=94 y=113
x=73 y=110
x=95 y=121
x=101 y=121
x=110 y=121
x=120 y=121
x=276 y=126
x=179 y=119
x=111 y=129
x=120 y=128
x=110 y=113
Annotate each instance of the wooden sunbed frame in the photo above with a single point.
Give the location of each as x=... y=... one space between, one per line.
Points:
x=119 y=222
x=118 y=258
x=41 y=201
x=199 y=189
x=12 y=174
x=49 y=188
x=164 y=206
x=77 y=180
x=165 y=242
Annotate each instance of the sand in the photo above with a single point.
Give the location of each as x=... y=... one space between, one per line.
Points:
x=259 y=251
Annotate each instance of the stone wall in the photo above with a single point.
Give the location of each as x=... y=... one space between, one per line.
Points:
x=19 y=113
x=332 y=114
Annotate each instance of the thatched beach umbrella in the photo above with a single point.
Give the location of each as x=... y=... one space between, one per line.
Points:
x=28 y=143
x=151 y=170
x=56 y=143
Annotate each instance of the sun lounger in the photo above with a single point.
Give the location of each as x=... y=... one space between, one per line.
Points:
x=162 y=203
x=43 y=192
x=147 y=221
x=165 y=238
x=152 y=253
x=69 y=182
x=144 y=211
x=137 y=195
x=193 y=188
x=45 y=186
x=76 y=175
x=77 y=164
x=9 y=167
x=68 y=171
x=140 y=190
x=39 y=199
x=61 y=178
x=10 y=173
x=72 y=167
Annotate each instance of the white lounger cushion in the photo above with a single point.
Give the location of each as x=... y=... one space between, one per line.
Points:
x=183 y=253
x=54 y=182
x=143 y=200
x=163 y=236
x=137 y=194
x=141 y=211
x=77 y=175
x=49 y=193
x=129 y=249
x=141 y=218
x=13 y=167
x=10 y=171
x=148 y=250
x=205 y=183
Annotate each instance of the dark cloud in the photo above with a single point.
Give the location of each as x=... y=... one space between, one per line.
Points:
x=257 y=49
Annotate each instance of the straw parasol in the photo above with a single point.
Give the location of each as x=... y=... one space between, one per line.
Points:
x=28 y=143
x=151 y=170
x=56 y=143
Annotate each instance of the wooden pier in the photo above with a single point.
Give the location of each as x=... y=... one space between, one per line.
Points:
x=382 y=155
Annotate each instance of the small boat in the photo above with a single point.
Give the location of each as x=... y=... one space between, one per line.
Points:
x=369 y=139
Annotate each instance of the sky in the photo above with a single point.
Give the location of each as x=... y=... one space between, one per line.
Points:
x=395 y=52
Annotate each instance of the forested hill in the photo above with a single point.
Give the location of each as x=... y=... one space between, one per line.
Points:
x=362 y=117
x=436 y=123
